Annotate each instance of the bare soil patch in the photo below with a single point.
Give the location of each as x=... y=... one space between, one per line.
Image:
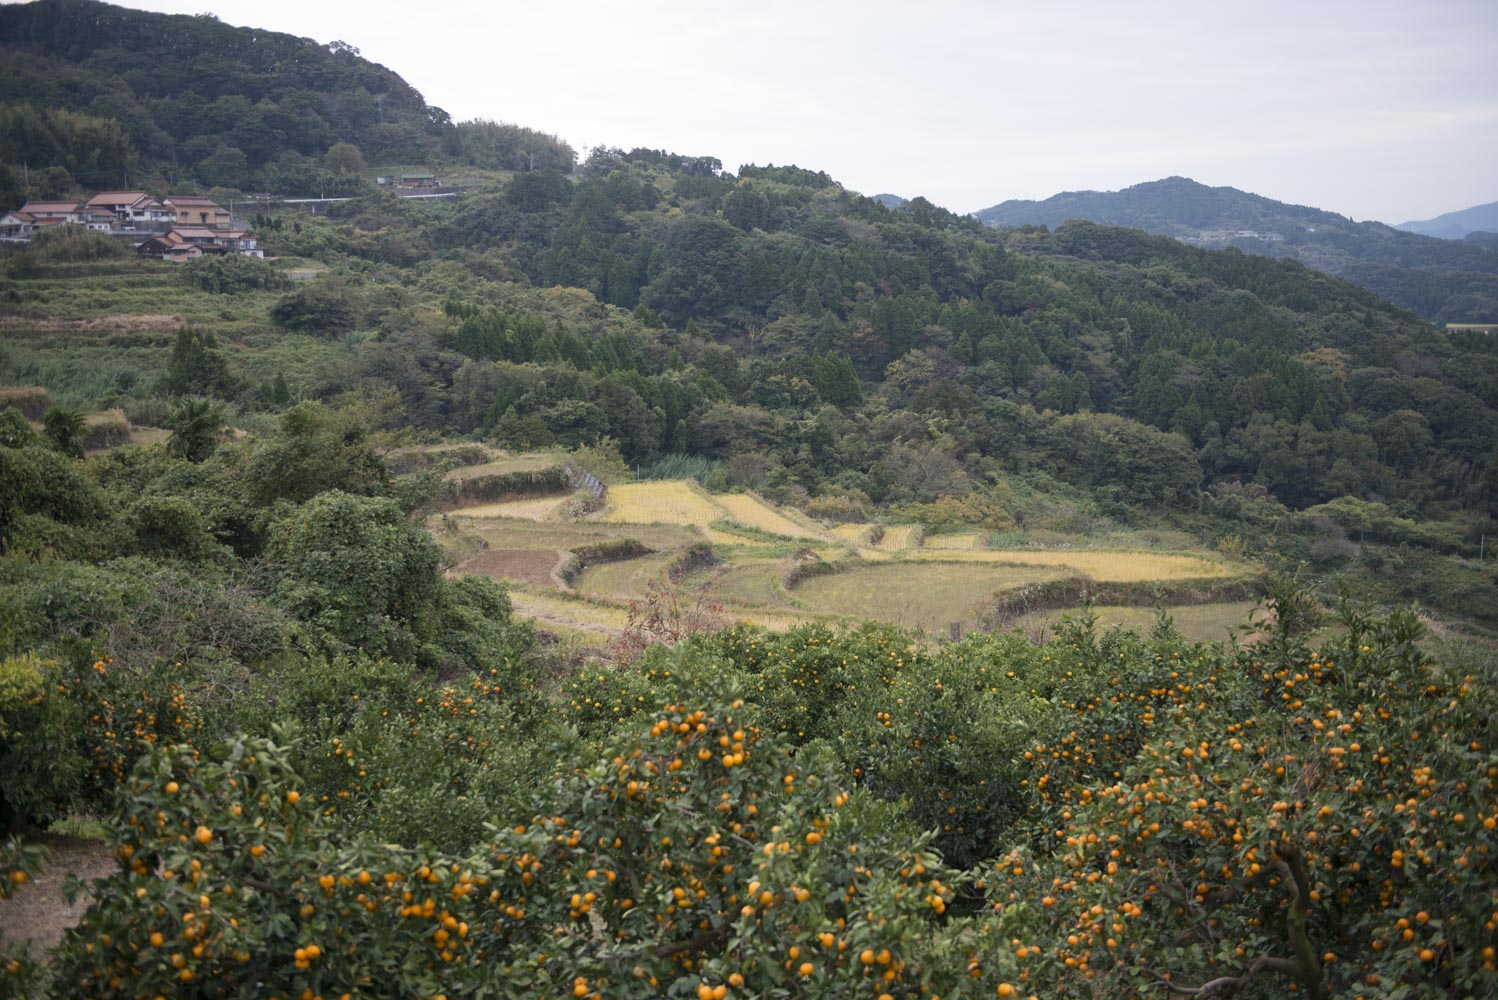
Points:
x=520 y=565
x=38 y=913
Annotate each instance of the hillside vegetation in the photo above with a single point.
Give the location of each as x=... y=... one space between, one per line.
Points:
x=101 y=97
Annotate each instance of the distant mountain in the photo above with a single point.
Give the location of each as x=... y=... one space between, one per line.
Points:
x=1456 y=225
x=1441 y=280
x=889 y=200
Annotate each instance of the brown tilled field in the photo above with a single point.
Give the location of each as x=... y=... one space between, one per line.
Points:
x=518 y=565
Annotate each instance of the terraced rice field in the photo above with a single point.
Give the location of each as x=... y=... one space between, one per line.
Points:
x=512 y=533
x=751 y=584
x=902 y=536
x=750 y=510
x=504 y=465
x=660 y=503
x=534 y=509
x=624 y=580
x=1203 y=622
x=957 y=542
x=914 y=594
x=517 y=565
x=558 y=610
x=1099 y=565
x=727 y=536
x=855 y=534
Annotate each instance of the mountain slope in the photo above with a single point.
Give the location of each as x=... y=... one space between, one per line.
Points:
x=1442 y=280
x=1457 y=225
x=180 y=97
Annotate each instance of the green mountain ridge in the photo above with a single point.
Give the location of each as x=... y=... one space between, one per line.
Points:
x=1441 y=280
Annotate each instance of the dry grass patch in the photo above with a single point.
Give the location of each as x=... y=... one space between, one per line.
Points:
x=671 y=502
x=856 y=534
x=536 y=509
x=902 y=536
x=753 y=511
x=955 y=542
x=1104 y=567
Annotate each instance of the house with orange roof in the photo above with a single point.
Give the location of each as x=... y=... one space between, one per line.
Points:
x=190 y=242
x=188 y=211
x=130 y=207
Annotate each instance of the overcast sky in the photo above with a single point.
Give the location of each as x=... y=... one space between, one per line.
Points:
x=1377 y=109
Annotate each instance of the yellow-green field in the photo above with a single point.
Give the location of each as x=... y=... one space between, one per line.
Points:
x=914 y=594
x=1203 y=622
x=526 y=534
x=727 y=536
x=660 y=503
x=957 y=542
x=627 y=579
x=1102 y=566
x=902 y=536
x=750 y=510
x=503 y=465
x=752 y=584
x=534 y=509
x=856 y=534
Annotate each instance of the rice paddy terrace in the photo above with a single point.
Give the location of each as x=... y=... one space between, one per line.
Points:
x=575 y=567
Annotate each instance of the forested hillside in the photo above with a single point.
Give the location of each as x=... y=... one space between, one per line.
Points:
x=1443 y=280
x=100 y=97
x=812 y=334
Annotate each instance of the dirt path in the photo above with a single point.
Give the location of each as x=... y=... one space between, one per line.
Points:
x=39 y=913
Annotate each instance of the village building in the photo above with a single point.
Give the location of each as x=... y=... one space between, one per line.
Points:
x=187 y=211
x=408 y=180
x=130 y=207
x=63 y=211
x=190 y=242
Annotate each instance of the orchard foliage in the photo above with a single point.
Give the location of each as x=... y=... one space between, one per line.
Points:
x=829 y=813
